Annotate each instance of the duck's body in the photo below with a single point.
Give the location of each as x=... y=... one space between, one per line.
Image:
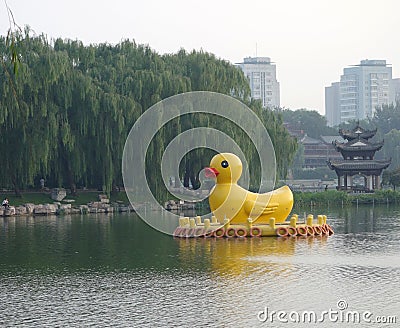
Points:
x=230 y=201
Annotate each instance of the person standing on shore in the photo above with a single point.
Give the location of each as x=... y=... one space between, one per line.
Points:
x=5 y=203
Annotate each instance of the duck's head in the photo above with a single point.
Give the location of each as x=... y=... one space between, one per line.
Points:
x=226 y=167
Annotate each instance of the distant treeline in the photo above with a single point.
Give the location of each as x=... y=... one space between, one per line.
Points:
x=333 y=197
x=66 y=113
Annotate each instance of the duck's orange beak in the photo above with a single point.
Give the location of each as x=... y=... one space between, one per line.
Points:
x=211 y=172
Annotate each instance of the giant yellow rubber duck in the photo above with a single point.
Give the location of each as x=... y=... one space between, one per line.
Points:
x=230 y=201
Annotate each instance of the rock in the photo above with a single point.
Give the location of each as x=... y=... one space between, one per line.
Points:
x=94 y=204
x=99 y=205
x=9 y=211
x=39 y=210
x=20 y=210
x=110 y=209
x=105 y=200
x=83 y=209
x=69 y=200
x=64 y=211
x=45 y=209
x=29 y=208
x=1 y=211
x=58 y=194
x=52 y=209
x=102 y=196
x=178 y=205
x=123 y=209
x=75 y=210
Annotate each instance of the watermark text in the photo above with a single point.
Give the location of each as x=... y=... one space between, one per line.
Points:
x=340 y=314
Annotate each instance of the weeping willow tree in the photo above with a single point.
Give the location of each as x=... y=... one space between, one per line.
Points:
x=66 y=114
x=28 y=121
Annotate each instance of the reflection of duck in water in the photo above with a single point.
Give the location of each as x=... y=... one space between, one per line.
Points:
x=229 y=200
x=242 y=256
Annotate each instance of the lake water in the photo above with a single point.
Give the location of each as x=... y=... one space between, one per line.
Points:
x=100 y=270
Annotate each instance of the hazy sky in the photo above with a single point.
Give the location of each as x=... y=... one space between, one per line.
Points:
x=311 y=41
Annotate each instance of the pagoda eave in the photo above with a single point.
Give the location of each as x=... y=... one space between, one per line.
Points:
x=357 y=132
x=349 y=135
x=371 y=147
x=354 y=167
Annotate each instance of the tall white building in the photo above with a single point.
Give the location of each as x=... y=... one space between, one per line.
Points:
x=362 y=88
x=395 y=90
x=332 y=103
x=261 y=74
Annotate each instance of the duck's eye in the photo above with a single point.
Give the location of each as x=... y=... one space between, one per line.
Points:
x=224 y=164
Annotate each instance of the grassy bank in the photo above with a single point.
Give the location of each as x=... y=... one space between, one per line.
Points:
x=82 y=198
x=340 y=197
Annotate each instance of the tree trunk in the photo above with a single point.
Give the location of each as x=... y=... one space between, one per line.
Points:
x=70 y=176
x=177 y=180
x=186 y=177
x=71 y=181
x=17 y=191
x=194 y=179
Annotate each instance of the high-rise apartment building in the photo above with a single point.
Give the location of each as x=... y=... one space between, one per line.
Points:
x=332 y=104
x=361 y=89
x=261 y=74
x=395 y=90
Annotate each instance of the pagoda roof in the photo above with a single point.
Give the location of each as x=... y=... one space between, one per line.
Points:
x=357 y=145
x=358 y=165
x=330 y=139
x=357 y=132
x=309 y=141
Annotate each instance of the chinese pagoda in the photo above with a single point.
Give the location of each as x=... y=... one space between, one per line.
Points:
x=358 y=160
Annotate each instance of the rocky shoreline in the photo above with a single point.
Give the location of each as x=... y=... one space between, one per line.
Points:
x=61 y=206
x=56 y=208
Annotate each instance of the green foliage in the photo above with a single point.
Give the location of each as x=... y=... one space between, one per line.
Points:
x=34 y=198
x=13 y=41
x=83 y=198
x=309 y=121
x=378 y=197
x=321 y=198
x=387 y=196
x=333 y=197
x=387 y=118
x=391 y=178
x=391 y=147
x=66 y=114
x=285 y=145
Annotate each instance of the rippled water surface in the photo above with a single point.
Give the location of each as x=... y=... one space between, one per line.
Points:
x=99 y=270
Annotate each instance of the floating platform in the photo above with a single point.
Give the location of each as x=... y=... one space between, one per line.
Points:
x=194 y=227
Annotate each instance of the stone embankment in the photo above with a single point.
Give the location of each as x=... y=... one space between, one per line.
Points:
x=174 y=205
x=56 y=208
